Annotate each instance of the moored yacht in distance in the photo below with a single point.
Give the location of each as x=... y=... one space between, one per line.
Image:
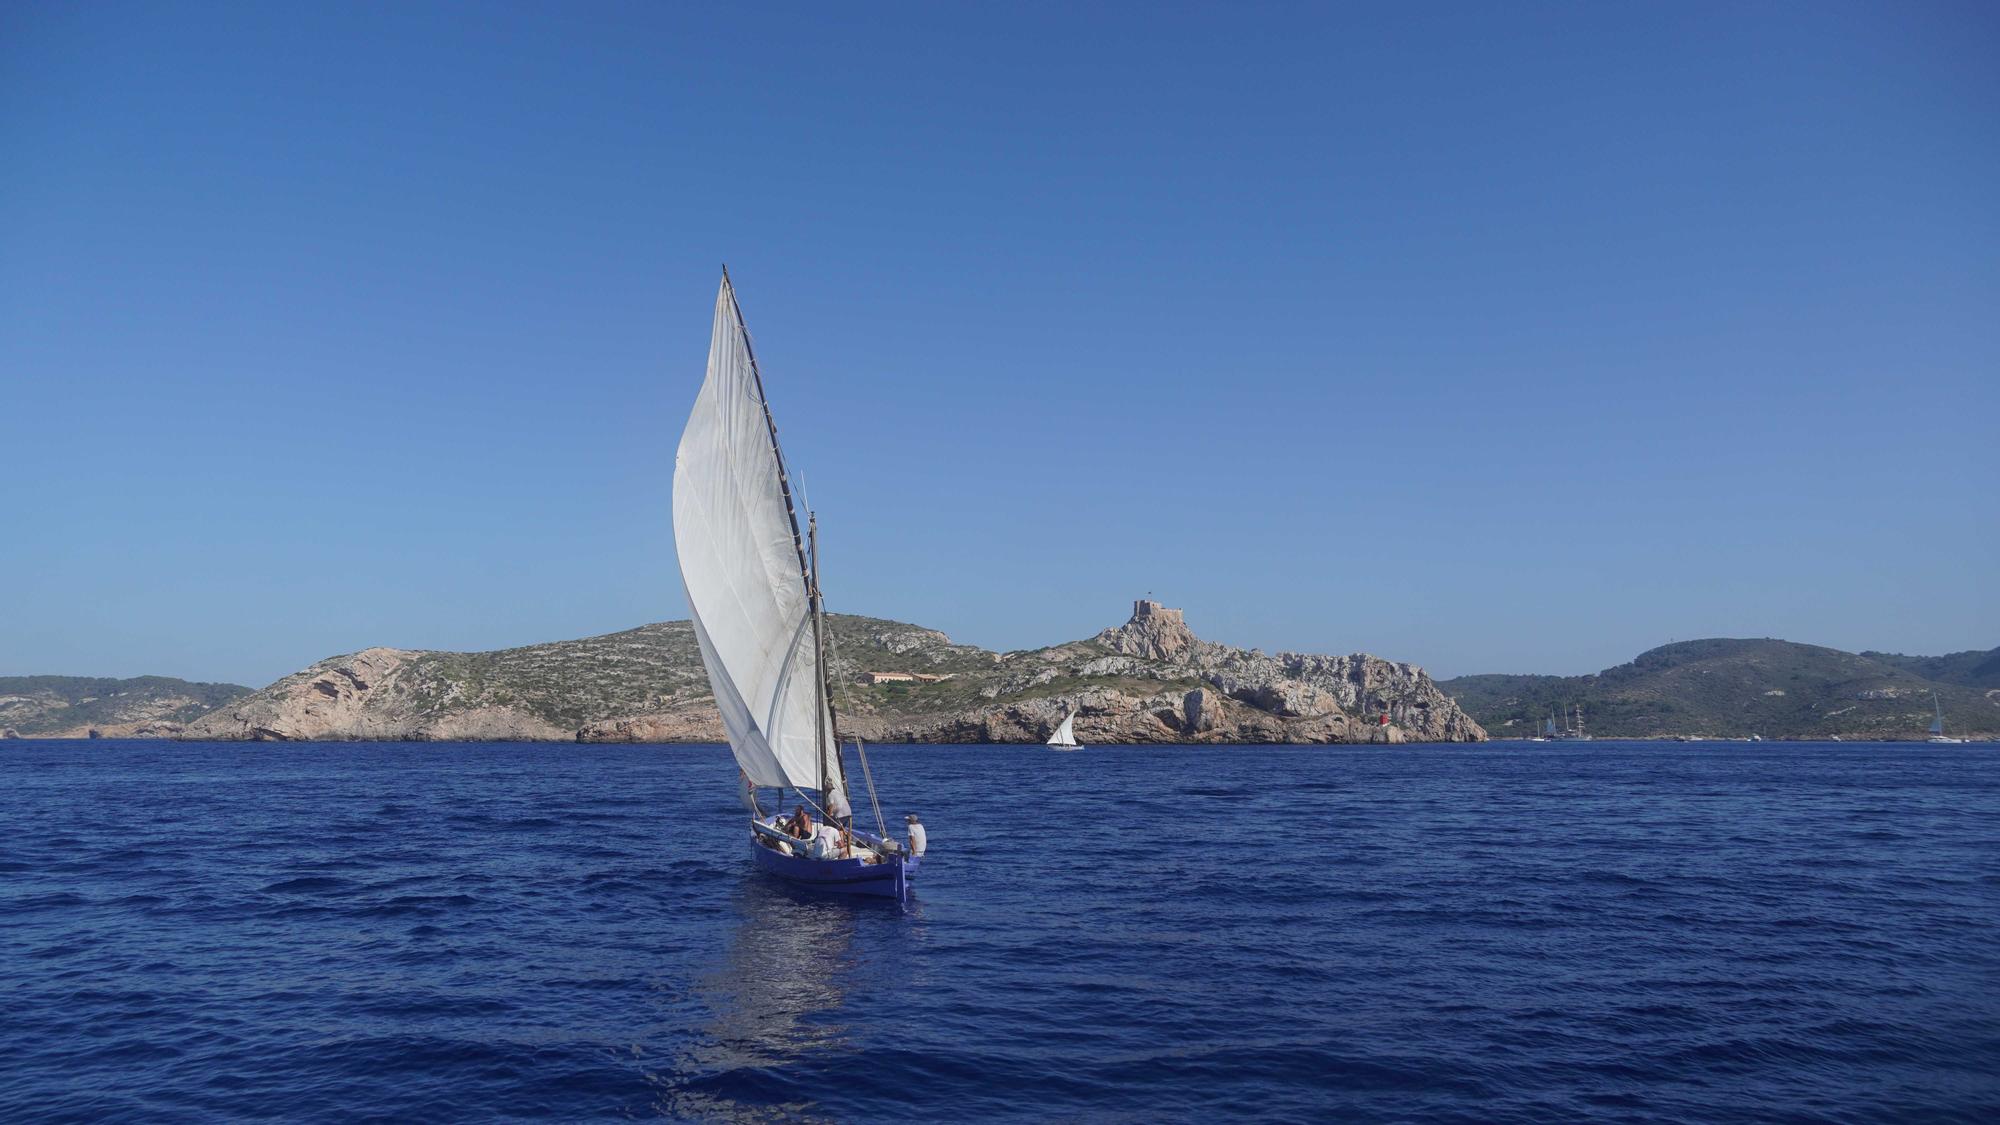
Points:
x=1572 y=733
x=1937 y=724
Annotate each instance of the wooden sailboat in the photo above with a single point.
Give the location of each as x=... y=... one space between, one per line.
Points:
x=753 y=593
x=1065 y=736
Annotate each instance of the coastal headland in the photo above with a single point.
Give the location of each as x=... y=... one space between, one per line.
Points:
x=1150 y=680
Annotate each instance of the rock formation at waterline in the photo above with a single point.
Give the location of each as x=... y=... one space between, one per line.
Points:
x=1149 y=680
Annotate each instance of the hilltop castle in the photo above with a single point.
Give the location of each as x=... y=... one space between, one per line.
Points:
x=1154 y=631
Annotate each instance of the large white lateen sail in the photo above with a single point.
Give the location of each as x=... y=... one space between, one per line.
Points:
x=744 y=567
x=1065 y=737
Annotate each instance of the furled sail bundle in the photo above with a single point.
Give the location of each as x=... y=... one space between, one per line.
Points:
x=744 y=567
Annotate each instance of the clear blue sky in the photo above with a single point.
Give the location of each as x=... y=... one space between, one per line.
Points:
x=1495 y=337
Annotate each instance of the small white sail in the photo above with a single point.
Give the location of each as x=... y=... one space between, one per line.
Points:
x=743 y=568
x=1064 y=736
x=1937 y=724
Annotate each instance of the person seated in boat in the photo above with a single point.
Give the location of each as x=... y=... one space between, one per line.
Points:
x=825 y=843
x=801 y=824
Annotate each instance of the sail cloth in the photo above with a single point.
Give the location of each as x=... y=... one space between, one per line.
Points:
x=1064 y=736
x=740 y=565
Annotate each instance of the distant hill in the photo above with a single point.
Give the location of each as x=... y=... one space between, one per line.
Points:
x=1149 y=680
x=1974 y=669
x=75 y=706
x=1732 y=688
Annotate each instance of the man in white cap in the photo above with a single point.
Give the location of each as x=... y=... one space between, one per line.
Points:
x=916 y=835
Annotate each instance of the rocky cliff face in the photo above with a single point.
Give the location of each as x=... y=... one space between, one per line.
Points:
x=1149 y=680
x=638 y=685
x=1154 y=632
x=1153 y=680
x=1290 y=697
x=378 y=693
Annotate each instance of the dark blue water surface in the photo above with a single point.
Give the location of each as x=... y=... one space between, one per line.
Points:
x=1495 y=933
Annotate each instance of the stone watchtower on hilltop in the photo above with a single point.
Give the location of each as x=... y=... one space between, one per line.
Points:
x=1154 y=632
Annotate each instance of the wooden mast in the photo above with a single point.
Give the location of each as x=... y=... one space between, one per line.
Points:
x=819 y=655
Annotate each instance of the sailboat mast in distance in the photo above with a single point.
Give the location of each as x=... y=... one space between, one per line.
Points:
x=1937 y=724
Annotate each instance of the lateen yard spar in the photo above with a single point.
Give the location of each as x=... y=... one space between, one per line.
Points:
x=753 y=592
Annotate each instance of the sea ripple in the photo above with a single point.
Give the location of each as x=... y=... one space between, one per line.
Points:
x=1510 y=933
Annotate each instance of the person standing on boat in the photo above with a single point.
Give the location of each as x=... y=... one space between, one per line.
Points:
x=841 y=816
x=916 y=834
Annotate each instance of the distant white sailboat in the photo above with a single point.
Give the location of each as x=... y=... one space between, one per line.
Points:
x=1937 y=724
x=1065 y=737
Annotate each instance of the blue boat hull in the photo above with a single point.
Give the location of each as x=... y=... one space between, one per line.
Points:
x=888 y=879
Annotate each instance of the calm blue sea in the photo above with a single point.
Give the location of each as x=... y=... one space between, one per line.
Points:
x=1506 y=932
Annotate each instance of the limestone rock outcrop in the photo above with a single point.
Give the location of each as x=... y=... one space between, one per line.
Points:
x=1153 y=680
x=328 y=700
x=1154 y=632
x=1201 y=711
x=374 y=694
x=698 y=726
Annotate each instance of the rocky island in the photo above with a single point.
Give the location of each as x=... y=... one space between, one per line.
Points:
x=1148 y=680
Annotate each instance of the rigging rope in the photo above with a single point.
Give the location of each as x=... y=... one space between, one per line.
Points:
x=881 y=829
x=847 y=705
